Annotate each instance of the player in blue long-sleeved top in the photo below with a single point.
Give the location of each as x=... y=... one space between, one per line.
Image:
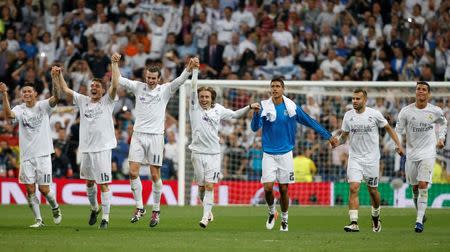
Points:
x=278 y=119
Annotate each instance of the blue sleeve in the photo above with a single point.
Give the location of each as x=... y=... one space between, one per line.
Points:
x=256 y=121
x=306 y=120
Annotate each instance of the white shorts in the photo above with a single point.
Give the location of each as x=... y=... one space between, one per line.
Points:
x=36 y=171
x=96 y=166
x=206 y=168
x=278 y=168
x=421 y=170
x=358 y=171
x=146 y=148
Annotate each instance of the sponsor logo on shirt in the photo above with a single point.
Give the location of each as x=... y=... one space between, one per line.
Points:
x=361 y=128
x=148 y=99
x=32 y=122
x=94 y=112
x=422 y=127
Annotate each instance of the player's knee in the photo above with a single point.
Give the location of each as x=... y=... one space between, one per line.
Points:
x=354 y=188
x=30 y=189
x=373 y=190
x=209 y=187
x=104 y=187
x=155 y=177
x=268 y=190
x=89 y=183
x=283 y=190
x=133 y=173
x=44 y=189
x=422 y=185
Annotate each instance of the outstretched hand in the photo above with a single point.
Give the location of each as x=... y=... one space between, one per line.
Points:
x=255 y=107
x=115 y=58
x=193 y=63
x=334 y=142
x=3 y=88
x=55 y=71
x=400 y=150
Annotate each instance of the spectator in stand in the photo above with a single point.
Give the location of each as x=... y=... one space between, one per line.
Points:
x=8 y=161
x=61 y=164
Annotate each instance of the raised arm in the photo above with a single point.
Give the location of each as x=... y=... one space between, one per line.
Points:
x=115 y=75
x=6 y=107
x=399 y=148
x=194 y=95
x=62 y=83
x=175 y=84
x=242 y=111
x=56 y=94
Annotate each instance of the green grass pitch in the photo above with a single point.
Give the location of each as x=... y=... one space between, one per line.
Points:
x=234 y=229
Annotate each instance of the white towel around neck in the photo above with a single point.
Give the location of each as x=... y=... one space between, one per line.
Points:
x=269 y=111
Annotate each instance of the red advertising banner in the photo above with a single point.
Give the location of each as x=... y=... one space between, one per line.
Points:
x=73 y=191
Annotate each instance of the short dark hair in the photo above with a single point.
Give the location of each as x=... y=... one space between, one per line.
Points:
x=29 y=84
x=211 y=90
x=279 y=79
x=100 y=81
x=154 y=69
x=424 y=83
x=360 y=90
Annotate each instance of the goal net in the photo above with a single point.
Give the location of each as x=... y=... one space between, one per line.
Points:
x=320 y=171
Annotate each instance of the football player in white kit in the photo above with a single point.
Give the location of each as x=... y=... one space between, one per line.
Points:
x=97 y=139
x=418 y=121
x=147 y=142
x=362 y=124
x=206 y=115
x=36 y=146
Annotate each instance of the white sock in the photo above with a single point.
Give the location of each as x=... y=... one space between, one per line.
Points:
x=136 y=188
x=208 y=202
x=106 y=204
x=422 y=202
x=353 y=215
x=157 y=188
x=51 y=199
x=272 y=208
x=284 y=216
x=376 y=211
x=92 y=196
x=33 y=203
x=201 y=195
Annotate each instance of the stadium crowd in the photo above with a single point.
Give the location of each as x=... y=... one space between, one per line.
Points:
x=357 y=40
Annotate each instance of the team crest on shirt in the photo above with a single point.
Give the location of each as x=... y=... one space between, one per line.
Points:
x=285 y=112
x=430 y=117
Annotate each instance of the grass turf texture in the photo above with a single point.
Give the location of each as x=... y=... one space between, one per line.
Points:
x=234 y=228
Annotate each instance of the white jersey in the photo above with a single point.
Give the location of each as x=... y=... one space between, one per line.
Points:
x=34 y=130
x=419 y=127
x=205 y=124
x=151 y=103
x=96 y=123
x=363 y=132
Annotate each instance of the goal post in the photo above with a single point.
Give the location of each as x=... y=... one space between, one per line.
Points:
x=240 y=185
